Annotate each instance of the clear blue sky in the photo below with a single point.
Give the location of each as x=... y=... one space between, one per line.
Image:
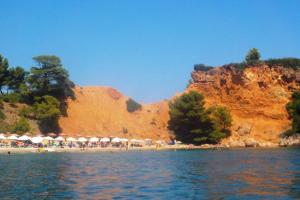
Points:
x=146 y=48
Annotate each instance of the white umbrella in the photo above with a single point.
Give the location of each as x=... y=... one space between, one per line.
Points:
x=82 y=139
x=124 y=140
x=94 y=139
x=48 y=138
x=159 y=142
x=133 y=140
x=2 y=137
x=24 y=138
x=148 y=139
x=140 y=141
x=37 y=139
x=105 y=139
x=116 y=140
x=59 y=139
x=12 y=137
x=71 y=139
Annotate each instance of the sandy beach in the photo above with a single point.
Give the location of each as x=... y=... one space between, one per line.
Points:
x=96 y=149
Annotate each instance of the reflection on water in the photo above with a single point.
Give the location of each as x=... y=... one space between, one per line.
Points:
x=228 y=174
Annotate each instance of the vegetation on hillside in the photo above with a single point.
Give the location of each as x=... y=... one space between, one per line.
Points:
x=252 y=58
x=45 y=89
x=192 y=123
x=293 y=109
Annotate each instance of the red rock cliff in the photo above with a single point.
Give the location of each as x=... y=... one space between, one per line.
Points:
x=256 y=97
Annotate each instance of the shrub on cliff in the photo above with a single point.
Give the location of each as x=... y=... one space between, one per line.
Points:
x=21 y=126
x=46 y=110
x=191 y=122
x=284 y=62
x=132 y=105
x=202 y=67
x=293 y=109
x=2 y=115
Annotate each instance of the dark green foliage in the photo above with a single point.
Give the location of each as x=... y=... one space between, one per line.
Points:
x=191 y=122
x=4 y=73
x=12 y=98
x=240 y=66
x=50 y=78
x=221 y=117
x=46 y=110
x=2 y=115
x=284 y=62
x=21 y=126
x=252 y=57
x=27 y=112
x=1 y=103
x=202 y=67
x=132 y=105
x=16 y=78
x=293 y=108
x=45 y=89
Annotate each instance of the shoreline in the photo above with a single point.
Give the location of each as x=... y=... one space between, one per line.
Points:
x=12 y=150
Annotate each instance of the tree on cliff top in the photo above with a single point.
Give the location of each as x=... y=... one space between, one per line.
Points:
x=50 y=78
x=252 y=57
x=191 y=122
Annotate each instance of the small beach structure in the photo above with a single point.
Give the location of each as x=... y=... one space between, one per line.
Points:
x=148 y=141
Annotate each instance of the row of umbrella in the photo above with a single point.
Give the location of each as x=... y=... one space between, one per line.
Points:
x=39 y=139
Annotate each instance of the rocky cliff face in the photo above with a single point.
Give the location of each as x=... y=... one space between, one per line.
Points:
x=256 y=97
x=102 y=111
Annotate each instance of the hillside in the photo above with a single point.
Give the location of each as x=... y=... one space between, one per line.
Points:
x=102 y=111
x=256 y=97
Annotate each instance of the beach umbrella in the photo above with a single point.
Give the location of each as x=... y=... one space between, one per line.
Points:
x=24 y=138
x=133 y=140
x=124 y=140
x=2 y=137
x=37 y=139
x=48 y=138
x=12 y=137
x=82 y=139
x=94 y=139
x=148 y=140
x=105 y=139
x=116 y=140
x=59 y=139
x=139 y=141
x=159 y=142
x=71 y=139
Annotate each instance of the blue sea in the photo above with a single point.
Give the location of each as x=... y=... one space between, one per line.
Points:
x=182 y=174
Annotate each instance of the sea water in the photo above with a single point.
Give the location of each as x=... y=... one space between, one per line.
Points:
x=182 y=174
